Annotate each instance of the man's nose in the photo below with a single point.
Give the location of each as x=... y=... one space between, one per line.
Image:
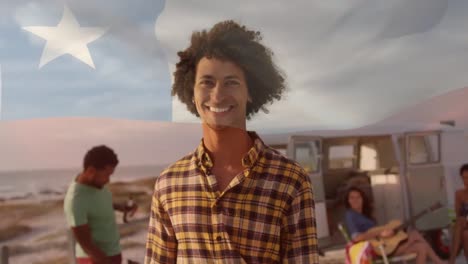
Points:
x=218 y=93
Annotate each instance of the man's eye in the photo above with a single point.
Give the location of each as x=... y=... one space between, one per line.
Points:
x=232 y=83
x=206 y=83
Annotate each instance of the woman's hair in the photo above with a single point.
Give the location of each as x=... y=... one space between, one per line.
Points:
x=366 y=204
x=230 y=41
x=463 y=168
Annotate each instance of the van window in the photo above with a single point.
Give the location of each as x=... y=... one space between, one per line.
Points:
x=307 y=155
x=341 y=157
x=368 y=157
x=423 y=149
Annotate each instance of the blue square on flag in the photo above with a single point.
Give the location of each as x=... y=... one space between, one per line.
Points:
x=82 y=58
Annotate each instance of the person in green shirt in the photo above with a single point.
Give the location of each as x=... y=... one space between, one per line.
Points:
x=89 y=209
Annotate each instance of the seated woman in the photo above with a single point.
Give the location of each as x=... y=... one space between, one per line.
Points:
x=461 y=208
x=359 y=220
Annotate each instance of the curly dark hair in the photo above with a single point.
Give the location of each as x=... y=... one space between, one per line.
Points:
x=463 y=168
x=230 y=41
x=366 y=204
x=99 y=157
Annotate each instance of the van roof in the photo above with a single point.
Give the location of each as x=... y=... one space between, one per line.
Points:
x=447 y=112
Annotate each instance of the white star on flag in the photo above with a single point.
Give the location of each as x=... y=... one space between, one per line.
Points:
x=67 y=38
x=83 y=58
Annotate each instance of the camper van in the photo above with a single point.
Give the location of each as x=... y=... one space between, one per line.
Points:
x=405 y=164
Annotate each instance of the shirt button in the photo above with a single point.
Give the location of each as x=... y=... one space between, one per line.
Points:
x=219 y=238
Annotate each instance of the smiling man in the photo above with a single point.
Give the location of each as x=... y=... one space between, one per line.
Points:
x=234 y=199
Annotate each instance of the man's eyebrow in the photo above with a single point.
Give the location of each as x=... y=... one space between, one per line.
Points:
x=231 y=77
x=206 y=76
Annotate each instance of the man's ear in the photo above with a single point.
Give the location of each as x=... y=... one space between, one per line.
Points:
x=91 y=170
x=249 y=98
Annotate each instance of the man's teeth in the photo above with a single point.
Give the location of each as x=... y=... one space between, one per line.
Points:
x=219 y=110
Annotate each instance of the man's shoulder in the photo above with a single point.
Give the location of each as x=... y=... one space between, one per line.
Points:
x=74 y=190
x=273 y=155
x=181 y=165
x=175 y=174
x=275 y=159
x=78 y=192
x=274 y=166
x=76 y=198
x=177 y=169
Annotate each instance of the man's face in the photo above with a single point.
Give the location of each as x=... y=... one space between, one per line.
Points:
x=221 y=93
x=102 y=176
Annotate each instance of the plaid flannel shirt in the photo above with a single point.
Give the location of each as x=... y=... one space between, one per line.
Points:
x=265 y=215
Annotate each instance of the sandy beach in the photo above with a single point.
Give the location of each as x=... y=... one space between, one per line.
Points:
x=35 y=230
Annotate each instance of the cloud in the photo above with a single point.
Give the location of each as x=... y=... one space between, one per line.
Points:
x=348 y=64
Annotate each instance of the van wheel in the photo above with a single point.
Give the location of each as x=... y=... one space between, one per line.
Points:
x=440 y=240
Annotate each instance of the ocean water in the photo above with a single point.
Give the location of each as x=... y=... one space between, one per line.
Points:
x=54 y=182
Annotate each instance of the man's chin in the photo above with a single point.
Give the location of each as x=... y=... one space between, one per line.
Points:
x=217 y=127
x=222 y=126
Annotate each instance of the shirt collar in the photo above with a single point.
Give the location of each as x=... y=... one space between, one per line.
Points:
x=204 y=160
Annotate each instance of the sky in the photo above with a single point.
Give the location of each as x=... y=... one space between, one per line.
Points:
x=348 y=64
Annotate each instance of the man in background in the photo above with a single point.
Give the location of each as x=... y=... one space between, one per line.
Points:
x=89 y=209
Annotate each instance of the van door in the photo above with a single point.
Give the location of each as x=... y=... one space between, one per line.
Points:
x=425 y=177
x=307 y=151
